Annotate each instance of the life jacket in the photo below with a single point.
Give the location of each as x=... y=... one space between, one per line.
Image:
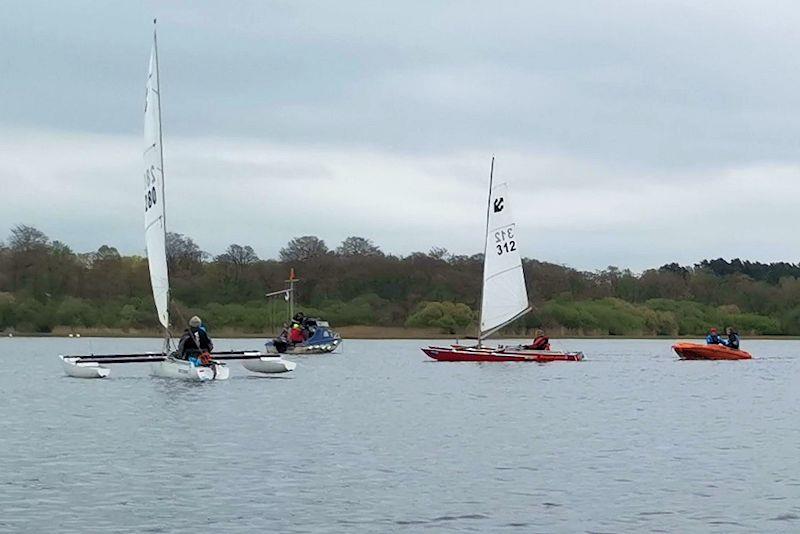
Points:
x=205 y=359
x=296 y=335
x=540 y=343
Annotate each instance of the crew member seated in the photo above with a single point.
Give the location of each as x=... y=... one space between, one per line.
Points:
x=540 y=342
x=713 y=338
x=194 y=342
x=733 y=339
x=296 y=334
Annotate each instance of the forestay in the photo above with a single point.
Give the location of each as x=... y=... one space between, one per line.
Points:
x=154 y=215
x=505 y=297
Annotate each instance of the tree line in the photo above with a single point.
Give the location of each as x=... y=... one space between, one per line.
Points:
x=45 y=285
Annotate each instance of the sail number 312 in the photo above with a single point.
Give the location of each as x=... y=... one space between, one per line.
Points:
x=504 y=241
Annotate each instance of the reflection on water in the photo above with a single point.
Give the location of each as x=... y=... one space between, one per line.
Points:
x=378 y=439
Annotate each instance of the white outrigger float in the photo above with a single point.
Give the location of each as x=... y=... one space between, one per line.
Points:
x=165 y=364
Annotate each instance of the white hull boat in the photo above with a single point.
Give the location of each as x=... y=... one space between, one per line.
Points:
x=269 y=365
x=95 y=366
x=174 y=368
x=163 y=364
x=79 y=369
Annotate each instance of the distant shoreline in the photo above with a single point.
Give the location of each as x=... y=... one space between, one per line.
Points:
x=347 y=332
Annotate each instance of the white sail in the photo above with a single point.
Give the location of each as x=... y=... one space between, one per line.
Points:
x=154 y=215
x=505 y=297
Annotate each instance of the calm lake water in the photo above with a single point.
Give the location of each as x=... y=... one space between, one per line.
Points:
x=379 y=439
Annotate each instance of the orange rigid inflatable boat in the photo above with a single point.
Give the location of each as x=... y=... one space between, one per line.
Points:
x=696 y=351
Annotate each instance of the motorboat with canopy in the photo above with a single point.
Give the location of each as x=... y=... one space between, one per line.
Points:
x=321 y=338
x=504 y=297
x=165 y=364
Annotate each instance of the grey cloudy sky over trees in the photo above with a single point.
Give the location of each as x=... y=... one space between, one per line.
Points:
x=631 y=133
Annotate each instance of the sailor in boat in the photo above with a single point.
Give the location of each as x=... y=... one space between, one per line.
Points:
x=296 y=334
x=540 y=342
x=195 y=345
x=713 y=337
x=733 y=339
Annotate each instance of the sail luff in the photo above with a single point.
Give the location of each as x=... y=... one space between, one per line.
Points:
x=154 y=213
x=160 y=142
x=485 y=249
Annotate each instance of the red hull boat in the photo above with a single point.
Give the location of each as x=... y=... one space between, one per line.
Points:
x=459 y=353
x=504 y=295
x=696 y=351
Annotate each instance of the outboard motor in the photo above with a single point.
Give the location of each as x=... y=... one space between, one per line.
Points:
x=280 y=345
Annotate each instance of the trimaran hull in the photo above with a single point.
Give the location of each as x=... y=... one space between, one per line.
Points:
x=168 y=367
x=78 y=369
x=94 y=366
x=174 y=368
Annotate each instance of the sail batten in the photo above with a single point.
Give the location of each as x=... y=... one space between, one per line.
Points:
x=154 y=213
x=505 y=297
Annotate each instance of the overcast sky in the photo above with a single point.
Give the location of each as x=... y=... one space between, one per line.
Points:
x=631 y=133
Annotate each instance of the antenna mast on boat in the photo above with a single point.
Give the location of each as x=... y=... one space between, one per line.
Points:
x=292 y=279
x=288 y=293
x=485 y=249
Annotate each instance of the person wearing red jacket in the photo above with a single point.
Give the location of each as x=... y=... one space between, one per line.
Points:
x=296 y=334
x=540 y=342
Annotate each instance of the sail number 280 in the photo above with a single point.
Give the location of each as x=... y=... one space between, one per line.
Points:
x=504 y=241
x=150 y=197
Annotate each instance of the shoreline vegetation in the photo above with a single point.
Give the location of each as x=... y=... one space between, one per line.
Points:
x=48 y=289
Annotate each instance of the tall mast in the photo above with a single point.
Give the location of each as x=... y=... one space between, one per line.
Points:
x=485 y=249
x=291 y=281
x=161 y=160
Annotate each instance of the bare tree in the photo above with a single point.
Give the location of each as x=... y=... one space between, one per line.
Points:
x=439 y=253
x=238 y=255
x=183 y=252
x=106 y=253
x=25 y=238
x=303 y=248
x=358 y=246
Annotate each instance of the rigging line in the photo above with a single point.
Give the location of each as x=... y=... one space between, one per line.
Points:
x=503 y=272
x=147 y=228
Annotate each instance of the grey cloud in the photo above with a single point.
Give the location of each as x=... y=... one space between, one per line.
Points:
x=606 y=117
x=659 y=84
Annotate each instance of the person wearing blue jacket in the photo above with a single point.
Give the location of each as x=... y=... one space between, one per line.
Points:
x=713 y=338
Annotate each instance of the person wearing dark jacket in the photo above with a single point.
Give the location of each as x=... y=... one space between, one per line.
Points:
x=194 y=340
x=733 y=339
x=540 y=342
